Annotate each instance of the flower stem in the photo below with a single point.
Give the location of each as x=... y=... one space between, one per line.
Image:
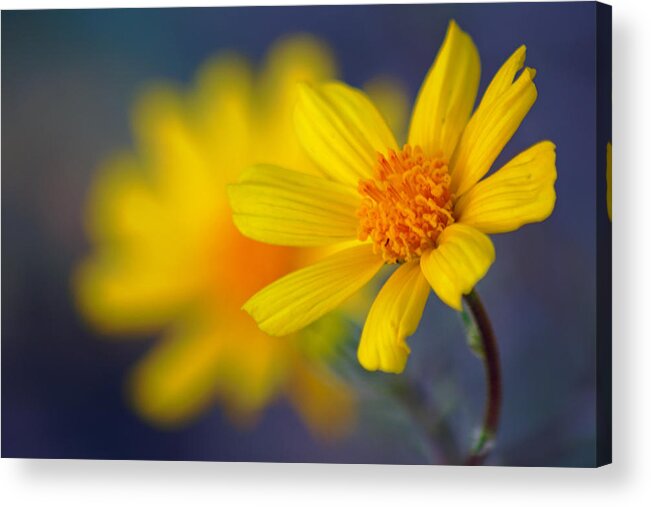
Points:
x=483 y=343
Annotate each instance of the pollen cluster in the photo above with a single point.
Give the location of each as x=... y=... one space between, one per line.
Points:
x=406 y=205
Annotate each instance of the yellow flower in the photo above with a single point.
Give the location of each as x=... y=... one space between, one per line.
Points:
x=425 y=207
x=167 y=256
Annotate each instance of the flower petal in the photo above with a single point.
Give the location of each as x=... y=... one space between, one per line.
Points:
x=139 y=277
x=447 y=95
x=300 y=298
x=341 y=130
x=178 y=378
x=284 y=207
x=292 y=60
x=498 y=116
x=226 y=358
x=394 y=316
x=221 y=110
x=170 y=150
x=519 y=193
x=121 y=205
x=503 y=78
x=460 y=260
x=132 y=291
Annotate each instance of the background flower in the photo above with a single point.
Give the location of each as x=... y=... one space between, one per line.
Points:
x=167 y=257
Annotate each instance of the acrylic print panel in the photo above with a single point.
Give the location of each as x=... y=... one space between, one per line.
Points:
x=267 y=234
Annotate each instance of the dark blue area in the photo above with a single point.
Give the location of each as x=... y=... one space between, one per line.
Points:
x=69 y=78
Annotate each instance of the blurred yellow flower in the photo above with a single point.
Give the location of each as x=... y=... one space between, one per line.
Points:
x=167 y=256
x=423 y=207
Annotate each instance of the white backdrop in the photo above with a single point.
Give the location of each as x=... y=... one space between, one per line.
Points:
x=626 y=482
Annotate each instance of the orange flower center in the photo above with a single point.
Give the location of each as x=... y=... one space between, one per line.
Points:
x=406 y=205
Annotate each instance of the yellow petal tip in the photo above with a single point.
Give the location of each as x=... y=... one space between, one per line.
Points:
x=454 y=304
x=521 y=53
x=374 y=364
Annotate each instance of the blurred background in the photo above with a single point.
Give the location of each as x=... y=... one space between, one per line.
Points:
x=69 y=82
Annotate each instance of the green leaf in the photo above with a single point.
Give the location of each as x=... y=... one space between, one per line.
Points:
x=473 y=337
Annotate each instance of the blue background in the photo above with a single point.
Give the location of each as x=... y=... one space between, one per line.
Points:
x=68 y=81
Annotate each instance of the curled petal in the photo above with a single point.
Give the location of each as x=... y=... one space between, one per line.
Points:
x=498 y=116
x=394 y=315
x=460 y=260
